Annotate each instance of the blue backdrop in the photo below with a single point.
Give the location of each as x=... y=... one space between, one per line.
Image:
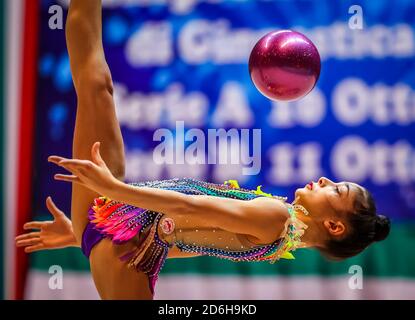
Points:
x=187 y=61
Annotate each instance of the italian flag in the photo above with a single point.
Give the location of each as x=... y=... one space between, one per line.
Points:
x=384 y=271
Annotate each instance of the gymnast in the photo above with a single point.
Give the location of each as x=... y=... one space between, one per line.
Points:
x=128 y=230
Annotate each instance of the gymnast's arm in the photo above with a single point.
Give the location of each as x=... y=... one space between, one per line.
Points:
x=58 y=234
x=262 y=217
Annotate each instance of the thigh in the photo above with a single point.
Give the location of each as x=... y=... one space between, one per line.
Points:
x=95 y=121
x=113 y=279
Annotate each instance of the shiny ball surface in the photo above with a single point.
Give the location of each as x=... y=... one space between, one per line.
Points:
x=284 y=65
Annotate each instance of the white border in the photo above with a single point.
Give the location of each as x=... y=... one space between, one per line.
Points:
x=14 y=35
x=79 y=285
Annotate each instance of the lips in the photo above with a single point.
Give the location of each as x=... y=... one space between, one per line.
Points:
x=310 y=185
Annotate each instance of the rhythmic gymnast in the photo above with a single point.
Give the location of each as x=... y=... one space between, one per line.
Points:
x=128 y=230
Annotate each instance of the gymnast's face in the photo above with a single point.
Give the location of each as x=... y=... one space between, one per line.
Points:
x=329 y=202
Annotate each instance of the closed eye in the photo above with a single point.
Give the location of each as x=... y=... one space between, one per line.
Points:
x=337 y=190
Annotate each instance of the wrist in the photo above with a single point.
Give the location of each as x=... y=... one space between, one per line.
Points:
x=73 y=241
x=74 y=244
x=114 y=189
x=70 y=239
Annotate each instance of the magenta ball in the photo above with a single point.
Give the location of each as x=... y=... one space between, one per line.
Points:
x=284 y=65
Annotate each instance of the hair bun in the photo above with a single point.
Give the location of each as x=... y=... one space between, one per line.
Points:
x=382 y=227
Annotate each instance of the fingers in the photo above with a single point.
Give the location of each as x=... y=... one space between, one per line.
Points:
x=77 y=167
x=26 y=236
x=34 y=248
x=27 y=242
x=34 y=225
x=70 y=164
x=31 y=242
x=68 y=178
x=53 y=209
x=63 y=162
x=55 y=159
x=95 y=154
x=76 y=163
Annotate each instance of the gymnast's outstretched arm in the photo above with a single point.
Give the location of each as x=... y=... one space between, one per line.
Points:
x=261 y=217
x=58 y=234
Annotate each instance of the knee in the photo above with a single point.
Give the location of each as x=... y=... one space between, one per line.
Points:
x=97 y=80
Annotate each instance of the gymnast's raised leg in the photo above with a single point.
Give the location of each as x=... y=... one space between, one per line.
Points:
x=96 y=121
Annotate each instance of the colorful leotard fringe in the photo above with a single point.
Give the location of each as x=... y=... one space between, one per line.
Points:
x=121 y=222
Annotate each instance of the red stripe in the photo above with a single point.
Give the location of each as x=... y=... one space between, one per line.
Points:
x=26 y=135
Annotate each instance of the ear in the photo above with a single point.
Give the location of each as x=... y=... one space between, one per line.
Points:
x=335 y=228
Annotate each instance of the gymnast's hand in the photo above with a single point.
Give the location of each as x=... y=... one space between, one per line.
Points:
x=94 y=174
x=52 y=235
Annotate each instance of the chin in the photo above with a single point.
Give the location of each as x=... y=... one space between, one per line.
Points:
x=299 y=192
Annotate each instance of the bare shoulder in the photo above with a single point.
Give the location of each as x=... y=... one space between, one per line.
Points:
x=270 y=207
x=270 y=215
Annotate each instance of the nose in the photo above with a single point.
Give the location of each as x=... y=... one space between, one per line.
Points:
x=323 y=181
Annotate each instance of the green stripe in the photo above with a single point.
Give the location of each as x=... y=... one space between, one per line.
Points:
x=391 y=258
x=2 y=142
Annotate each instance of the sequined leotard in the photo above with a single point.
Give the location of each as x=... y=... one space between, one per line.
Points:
x=121 y=223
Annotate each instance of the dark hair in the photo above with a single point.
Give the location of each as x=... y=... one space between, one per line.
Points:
x=365 y=227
